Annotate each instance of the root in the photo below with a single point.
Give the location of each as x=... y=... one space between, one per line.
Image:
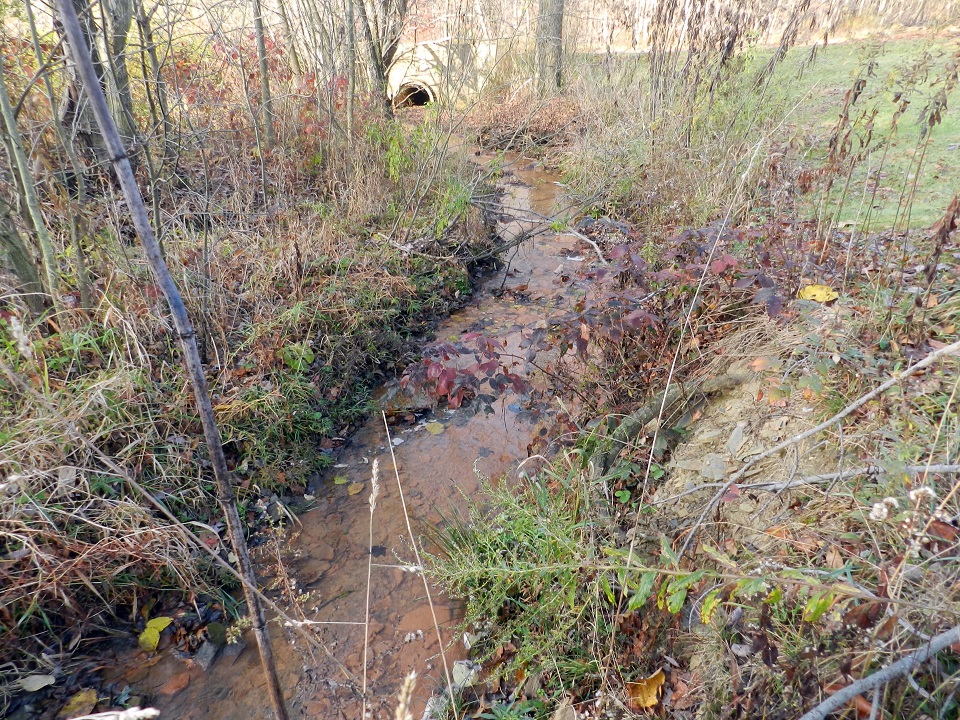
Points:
x=633 y=423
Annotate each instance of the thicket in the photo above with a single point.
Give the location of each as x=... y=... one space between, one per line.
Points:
x=780 y=230
x=309 y=263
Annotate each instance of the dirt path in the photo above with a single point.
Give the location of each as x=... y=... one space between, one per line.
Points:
x=328 y=556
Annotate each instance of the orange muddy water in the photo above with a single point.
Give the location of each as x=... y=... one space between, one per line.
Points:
x=328 y=556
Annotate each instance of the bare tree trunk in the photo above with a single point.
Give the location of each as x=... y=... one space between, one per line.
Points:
x=156 y=85
x=266 y=103
x=549 y=46
x=376 y=71
x=295 y=63
x=77 y=219
x=15 y=250
x=74 y=115
x=116 y=16
x=351 y=68
x=188 y=342
x=19 y=160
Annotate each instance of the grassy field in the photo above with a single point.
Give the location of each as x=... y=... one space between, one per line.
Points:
x=908 y=171
x=890 y=146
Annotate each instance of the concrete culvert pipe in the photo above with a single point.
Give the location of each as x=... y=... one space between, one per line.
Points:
x=412 y=95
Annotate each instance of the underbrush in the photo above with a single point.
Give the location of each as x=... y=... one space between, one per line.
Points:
x=714 y=577
x=739 y=524
x=303 y=300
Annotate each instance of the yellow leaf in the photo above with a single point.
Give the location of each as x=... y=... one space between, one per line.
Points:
x=159 y=623
x=340 y=480
x=818 y=293
x=81 y=703
x=149 y=639
x=646 y=693
x=434 y=428
x=355 y=488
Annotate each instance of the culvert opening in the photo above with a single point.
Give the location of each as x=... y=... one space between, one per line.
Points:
x=412 y=95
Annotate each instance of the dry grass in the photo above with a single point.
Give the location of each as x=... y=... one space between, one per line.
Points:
x=303 y=296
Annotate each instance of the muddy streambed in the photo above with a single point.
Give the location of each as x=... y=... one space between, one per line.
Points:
x=327 y=556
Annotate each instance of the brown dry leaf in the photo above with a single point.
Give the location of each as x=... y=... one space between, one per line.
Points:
x=863 y=706
x=646 y=693
x=764 y=363
x=682 y=699
x=942 y=531
x=82 y=703
x=355 y=488
x=175 y=684
x=834 y=559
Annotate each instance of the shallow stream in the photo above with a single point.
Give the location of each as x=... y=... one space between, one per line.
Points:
x=328 y=555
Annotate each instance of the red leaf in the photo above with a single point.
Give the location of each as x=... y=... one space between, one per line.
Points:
x=732 y=493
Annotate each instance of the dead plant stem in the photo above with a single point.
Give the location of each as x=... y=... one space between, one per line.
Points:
x=416 y=554
x=188 y=342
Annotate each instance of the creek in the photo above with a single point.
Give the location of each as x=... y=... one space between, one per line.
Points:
x=440 y=467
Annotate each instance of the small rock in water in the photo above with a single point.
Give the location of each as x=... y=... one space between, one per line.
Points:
x=233 y=649
x=398 y=441
x=206 y=655
x=465 y=673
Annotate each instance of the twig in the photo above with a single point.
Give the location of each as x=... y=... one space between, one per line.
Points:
x=882 y=677
x=416 y=553
x=875 y=703
x=128 y=714
x=374 y=494
x=951 y=349
x=571 y=231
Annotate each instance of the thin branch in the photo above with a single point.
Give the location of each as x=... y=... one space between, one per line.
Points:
x=581 y=236
x=882 y=677
x=188 y=341
x=951 y=349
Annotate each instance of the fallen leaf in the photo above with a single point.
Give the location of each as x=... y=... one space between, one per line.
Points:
x=834 y=559
x=340 y=480
x=564 y=711
x=863 y=706
x=818 y=293
x=32 y=683
x=355 y=488
x=434 y=428
x=682 y=698
x=175 y=684
x=646 y=693
x=764 y=363
x=82 y=703
x=159 y=623
x=149 y=639
x=942 y=531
